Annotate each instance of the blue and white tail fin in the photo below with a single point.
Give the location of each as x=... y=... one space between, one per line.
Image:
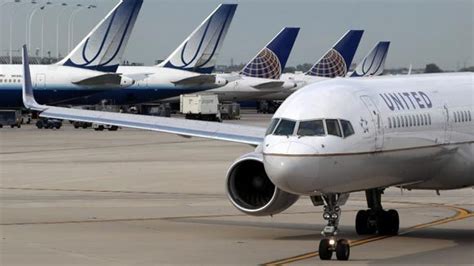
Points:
x=102 y=49
x=198 y=53
x=270 y=62
x=337 y=61
x=374 y=63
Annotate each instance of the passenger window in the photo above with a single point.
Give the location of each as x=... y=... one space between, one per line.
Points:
x=311 y=128
x=455 y=117
x=272 y=126
x=285 y=128
x=470 y=118
x=411 y=122
x=426 y=119
x=347 y=128
x=462 y=115
x=333 y=127
x=398 y=122
x=389 y=123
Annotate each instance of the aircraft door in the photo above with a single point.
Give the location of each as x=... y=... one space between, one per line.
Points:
x=40 y=81
x=376 y=119
x=448 y=126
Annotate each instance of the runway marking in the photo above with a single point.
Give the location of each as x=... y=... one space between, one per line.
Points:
x=111 y=191
x=460 y=214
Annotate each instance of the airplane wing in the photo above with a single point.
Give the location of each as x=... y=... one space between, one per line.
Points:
x=218 y=131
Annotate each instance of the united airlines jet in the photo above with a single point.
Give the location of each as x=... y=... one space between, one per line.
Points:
x=261 y=74
x=332 y=138
x=90 y=68
x=263 y=78
x=186 y=70
x=373 y=64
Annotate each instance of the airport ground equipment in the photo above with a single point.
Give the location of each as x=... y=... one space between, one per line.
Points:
x=101 y=127
x=229 y=111
x=12 y=118
x=200 y=107
x=49 y=123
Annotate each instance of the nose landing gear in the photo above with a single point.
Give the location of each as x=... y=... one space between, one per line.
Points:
x=330 y=244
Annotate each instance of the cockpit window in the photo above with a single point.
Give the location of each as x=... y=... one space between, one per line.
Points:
x=285 y=128
x=272 y=126
x=347 y=128
x=333 y=128
x=311 y=128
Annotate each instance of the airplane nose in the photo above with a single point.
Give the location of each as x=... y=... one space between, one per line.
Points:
x=293 y=170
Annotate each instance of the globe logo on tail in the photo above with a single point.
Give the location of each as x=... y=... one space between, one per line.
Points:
x=265 y=65
x=331 y=65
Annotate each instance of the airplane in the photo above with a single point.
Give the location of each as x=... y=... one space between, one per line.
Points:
x=373 y=64
x=188 y=69
x=89 y=68
x=261 y=74
x=280 y=86
x=330 y=139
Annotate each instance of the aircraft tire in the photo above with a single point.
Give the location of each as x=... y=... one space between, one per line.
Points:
x=325 y=252
x=343 y=249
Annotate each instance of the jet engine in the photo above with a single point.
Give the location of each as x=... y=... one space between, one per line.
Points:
x=251 y=191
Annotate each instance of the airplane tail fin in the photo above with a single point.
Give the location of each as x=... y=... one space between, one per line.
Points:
x=337 y=61
x=198 y=53
x=270 y=62
x=374 y=63
x=102 y=49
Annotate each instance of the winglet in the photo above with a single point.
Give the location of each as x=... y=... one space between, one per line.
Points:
x=27 y=91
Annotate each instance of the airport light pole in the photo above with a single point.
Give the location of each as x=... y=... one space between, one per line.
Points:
x=73 y=17
x=1 y=16
x=11 y=30
x=57 y=31
x=42 y=27
x=30 y=20
x=30 y=12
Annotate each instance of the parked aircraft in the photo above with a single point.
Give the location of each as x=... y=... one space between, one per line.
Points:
x=261 y=74
x=333 y=138
x=90 y=67
x=373 y=64
x=186 y=70
x=280 y=85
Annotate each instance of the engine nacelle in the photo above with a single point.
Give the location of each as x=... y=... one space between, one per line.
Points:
x=126 y=81
x=252 y=192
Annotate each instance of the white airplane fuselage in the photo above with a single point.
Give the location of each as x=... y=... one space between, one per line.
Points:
x=246 y=88
x=416 y=132
x=55 y=84
x=52 y=83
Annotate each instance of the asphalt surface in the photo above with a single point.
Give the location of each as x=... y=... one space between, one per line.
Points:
x=80 y=197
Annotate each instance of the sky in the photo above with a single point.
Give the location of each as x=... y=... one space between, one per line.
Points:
x=420 y=31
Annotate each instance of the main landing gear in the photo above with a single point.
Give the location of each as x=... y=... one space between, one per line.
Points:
x=330 y=243
x=376 y=219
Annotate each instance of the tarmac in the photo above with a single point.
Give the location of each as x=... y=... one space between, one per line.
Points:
x=132 y=197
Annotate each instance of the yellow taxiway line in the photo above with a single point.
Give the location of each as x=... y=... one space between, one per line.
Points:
x=460 y=213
